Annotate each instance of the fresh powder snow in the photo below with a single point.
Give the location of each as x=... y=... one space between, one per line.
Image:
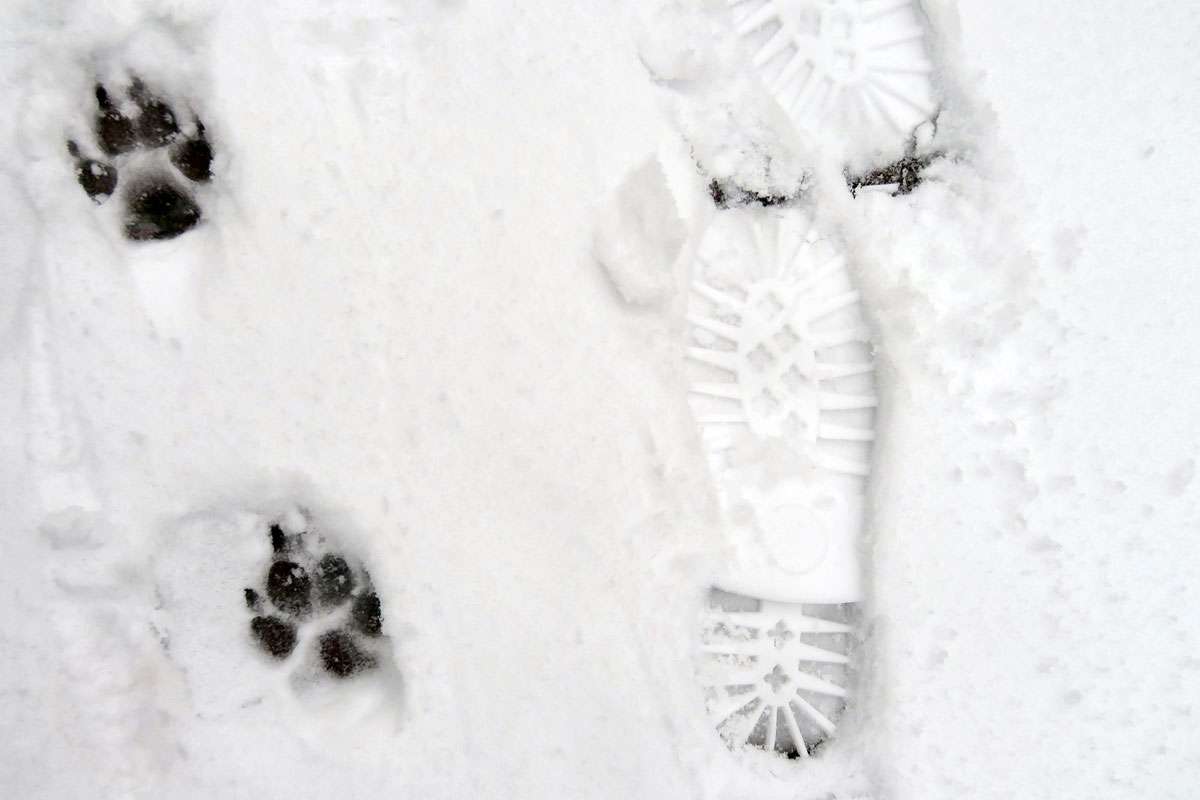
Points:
x=448 y=399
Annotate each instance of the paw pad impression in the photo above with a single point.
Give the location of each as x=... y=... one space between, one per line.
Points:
x=130 y=133
x=315 y=597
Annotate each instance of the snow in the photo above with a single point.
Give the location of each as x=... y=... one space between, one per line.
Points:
x=1052 y=609
x=435 y=304
x=639 y=237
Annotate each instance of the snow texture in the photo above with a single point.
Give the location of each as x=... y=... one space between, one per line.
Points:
x=390 y=320
x=639 y=236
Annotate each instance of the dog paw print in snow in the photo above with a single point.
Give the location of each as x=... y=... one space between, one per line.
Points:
x=314 y=598
x=147 y=154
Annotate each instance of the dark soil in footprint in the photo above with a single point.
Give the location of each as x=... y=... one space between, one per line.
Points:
x=97 y=178
x=193 y=157
x=340 y=656
x=156 y=125
x=290 y=588
x=367 y=615
x=115 y=132
x=335 y=581
x=726 y=194
x=274 y=635
x=904 y=174
x=159 y=203
x=159 y=211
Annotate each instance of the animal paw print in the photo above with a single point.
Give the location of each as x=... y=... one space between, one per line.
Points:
x=131 y=134
x=318 y=598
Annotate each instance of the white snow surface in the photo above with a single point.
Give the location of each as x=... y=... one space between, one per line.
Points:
x=430 y=305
